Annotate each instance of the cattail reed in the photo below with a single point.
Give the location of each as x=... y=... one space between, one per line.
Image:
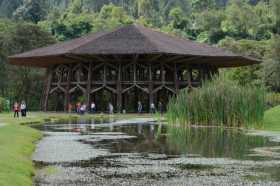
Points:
x=218 y=102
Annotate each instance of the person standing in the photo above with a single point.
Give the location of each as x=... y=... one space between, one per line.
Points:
x=160 y=107
x=23 y=109
x=70 y=107
x=83 y=109
x=139 y=107
x=153 y=108
x=16 y=109
x=93 y=107
x=78 y=107
x=111 y=108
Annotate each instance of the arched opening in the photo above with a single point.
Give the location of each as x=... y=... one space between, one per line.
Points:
x=56 y=101
x=102 y=98
x=131 y=98
x=77 y=96
x=163 y=96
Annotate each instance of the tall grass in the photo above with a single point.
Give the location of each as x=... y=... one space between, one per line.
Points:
x=218 y=102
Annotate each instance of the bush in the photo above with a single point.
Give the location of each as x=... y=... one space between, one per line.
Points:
x=272 y=100
x=218 y=102
x=4 y=105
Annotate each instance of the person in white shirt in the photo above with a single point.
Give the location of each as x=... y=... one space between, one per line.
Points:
x=93 y=107
x=83 y=108
x=111 y=108
x=152 y=107
x=23 y=109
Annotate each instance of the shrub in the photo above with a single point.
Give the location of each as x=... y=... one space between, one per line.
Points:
x=218 y=102
x=272 y=100
x=4 y=105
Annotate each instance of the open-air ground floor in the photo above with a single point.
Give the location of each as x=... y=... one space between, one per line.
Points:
x=132 y=150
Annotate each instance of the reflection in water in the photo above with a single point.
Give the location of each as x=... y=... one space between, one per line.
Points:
x=151 y=138
x=213 y=142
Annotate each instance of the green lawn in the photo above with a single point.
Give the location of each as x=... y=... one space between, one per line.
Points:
x=272 y=119
x=17 y=143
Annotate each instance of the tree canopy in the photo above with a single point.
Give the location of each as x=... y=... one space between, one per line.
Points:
x=247 y=27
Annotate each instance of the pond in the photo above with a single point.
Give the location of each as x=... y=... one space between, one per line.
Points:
x=145 y=152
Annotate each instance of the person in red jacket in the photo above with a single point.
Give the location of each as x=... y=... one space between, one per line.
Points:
x=16 y=109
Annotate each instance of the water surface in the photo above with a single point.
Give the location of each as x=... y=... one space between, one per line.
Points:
x=126 y=151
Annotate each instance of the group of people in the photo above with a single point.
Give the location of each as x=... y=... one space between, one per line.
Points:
x=81 y=108
x=20 y=108
x=152 y=107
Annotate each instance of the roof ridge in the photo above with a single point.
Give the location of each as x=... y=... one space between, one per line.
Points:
x=139 y=27
x=103 y=34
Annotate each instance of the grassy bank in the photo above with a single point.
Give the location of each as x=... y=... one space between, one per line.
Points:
x=17 y=143
x=272 y=119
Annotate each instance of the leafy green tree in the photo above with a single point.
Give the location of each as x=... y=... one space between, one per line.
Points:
x=31 y=10
x=275 y=7
x=272 y=64
x=257 y=49
x=22 y=83
x=203 y=4
x=209 y=26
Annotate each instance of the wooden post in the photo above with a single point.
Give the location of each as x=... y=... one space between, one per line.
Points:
x=89 y=85
x=67 y=94
x=119 y=90
x=189 y=78
x=47 y=89
x=176 y=82
x=151 y=96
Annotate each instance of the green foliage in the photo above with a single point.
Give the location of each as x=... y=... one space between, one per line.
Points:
x=18 y=82
x=272 y=99
x=257 y=49
x=272 y=118
x=31 y=10
x=272 y=64
x=219 y=102
x=4 y=105
x=247 y=27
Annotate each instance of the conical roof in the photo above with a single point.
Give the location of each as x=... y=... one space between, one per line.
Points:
x=127 y=41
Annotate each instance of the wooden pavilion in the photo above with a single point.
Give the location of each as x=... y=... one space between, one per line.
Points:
x=124 y=66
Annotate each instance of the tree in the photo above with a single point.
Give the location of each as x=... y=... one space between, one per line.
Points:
x=275 y=6
x=22 y=83
x=257 y=49
x=31 y=10
x=200 y=5
x=272 y=64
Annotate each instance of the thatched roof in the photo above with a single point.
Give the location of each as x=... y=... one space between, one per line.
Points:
x=128 y=41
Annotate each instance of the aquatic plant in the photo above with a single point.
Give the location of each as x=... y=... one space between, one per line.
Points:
x=218 y=102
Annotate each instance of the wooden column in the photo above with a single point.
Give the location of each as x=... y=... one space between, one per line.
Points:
x=176 y=81
x=151 y=96
x=47 y=89
x=189 y=78
x=89 y=85
x=67 y=94
x=119 y=89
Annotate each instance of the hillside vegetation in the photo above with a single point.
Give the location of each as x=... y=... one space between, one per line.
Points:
x=247 y=27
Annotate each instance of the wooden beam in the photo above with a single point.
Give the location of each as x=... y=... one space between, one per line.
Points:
x=188 y=60
x=76 y=58
x=47 y=89
x=151 y=96
x=173 y=59
x=119 y=89
x=67 y=94
x=89 y=79
x=155 y=58
x=176 y=78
